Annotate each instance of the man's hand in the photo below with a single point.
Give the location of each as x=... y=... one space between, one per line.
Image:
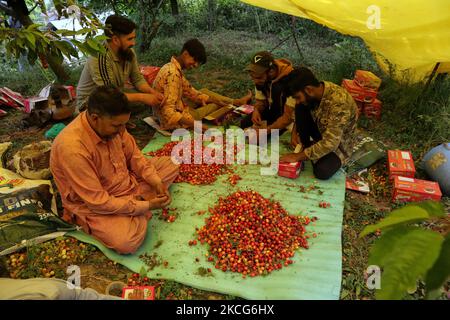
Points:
x=293 y=157
x=256 y=117
x=295 y=139
x=156 y=93
x=152 y=99
x=159 y=202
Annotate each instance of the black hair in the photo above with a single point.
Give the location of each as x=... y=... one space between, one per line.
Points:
x=118 y=25
x=196 y=49
x=299 y=78
x=108 y=101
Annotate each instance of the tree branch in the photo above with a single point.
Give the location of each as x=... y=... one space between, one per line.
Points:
x=32 y=9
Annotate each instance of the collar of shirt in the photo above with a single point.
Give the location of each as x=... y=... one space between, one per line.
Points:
x=93 y=136
x=326 y=93
x=176 y=63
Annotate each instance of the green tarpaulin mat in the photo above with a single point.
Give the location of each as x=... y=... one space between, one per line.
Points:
x=316 y=273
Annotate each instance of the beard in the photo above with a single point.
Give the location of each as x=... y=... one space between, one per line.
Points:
x=311 y=102
x=126 y=55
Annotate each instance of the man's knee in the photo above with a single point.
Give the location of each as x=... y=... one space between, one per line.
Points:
x=324 y=172
x=127 y=245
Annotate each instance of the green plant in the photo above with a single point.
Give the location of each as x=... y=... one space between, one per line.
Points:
x=25 y=38
x=407 y=252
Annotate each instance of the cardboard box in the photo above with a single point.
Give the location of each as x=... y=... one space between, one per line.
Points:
x=410 y=189
x=32 y=103
x=400 y=163
x=245 y=109
x=149 y=73
x=11 y=98
x=289 y=169
x=219 y=116
x=373 y=110
x=359 y=93
x=145 y=293
x=71 y=93
x=367 y=79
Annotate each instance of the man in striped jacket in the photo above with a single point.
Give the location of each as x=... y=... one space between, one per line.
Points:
x=116 y=66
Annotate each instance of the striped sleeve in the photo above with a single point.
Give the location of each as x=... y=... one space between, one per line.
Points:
x=136 y=77
x=102 y=70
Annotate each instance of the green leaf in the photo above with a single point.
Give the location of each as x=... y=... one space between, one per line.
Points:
x=87 y=50
x=101 y=38
x=405 y=254
x=93 y=44
x=143 y=272
x=66 y=48
x=31 y=40
x=440 y=271
x=33 y=27
x=84 y=31
x=408 y=214
x=66 y=33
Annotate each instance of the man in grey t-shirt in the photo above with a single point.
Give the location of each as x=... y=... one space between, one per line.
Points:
x=116 y=66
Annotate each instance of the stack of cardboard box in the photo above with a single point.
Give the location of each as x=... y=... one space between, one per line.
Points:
x=364 y=89
x=405 y=186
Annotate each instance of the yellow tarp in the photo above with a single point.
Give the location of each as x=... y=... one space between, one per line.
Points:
x=413 y=35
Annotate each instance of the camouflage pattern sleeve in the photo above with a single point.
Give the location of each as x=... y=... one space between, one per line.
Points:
x=338 y=118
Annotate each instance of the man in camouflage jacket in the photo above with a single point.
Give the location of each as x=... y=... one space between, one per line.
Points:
x=326 y=117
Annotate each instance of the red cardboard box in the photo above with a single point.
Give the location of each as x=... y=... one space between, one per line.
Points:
x=11 y=98
x=410 y=189
x=222 y=115
x=289 y=169
x=359 y=93
x=367 y=79
x=373 y=110
x=71 y=92
x=31 y=103
x=400 y=163
x=138 y=293
x=149 y=73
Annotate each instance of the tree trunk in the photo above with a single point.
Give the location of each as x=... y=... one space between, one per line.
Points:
x=148 y=29
x=211 y=14
x=258 y=23
x=22 y=14
x=174 y=6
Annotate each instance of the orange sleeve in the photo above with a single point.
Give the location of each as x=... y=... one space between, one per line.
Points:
x=136 y=161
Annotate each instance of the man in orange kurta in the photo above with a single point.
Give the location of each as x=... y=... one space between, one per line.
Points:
x=107 y=186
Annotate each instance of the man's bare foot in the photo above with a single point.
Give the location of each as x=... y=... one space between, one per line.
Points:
x=244 y=100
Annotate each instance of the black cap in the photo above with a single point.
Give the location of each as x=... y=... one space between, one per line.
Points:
x=261 y=62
